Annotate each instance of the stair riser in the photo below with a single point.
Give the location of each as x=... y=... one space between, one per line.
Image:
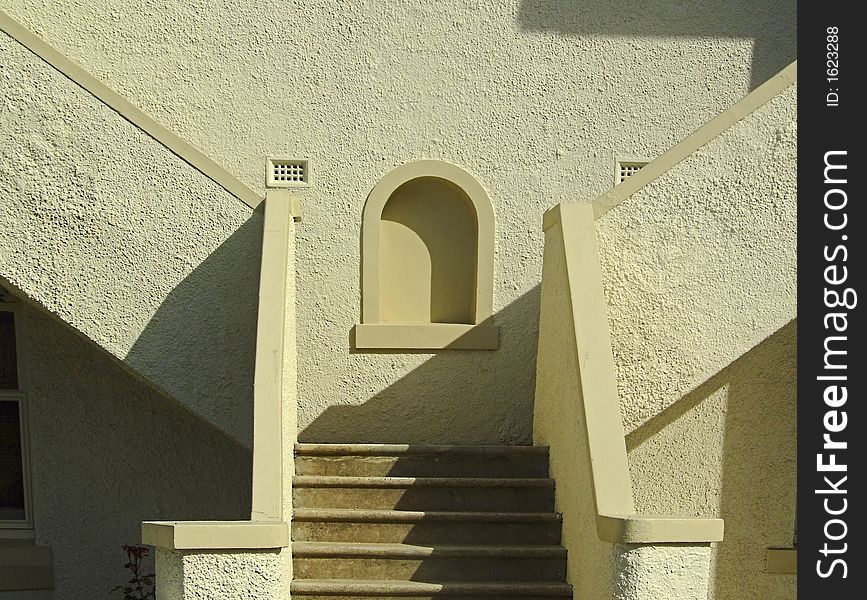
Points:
x=423 y=466
x=426 y=499
x=432 y=568
x=514 y=534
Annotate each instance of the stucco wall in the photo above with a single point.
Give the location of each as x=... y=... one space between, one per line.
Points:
x=133 y=247
x=242 y=575
x=699 y=272
x=534 y=97
x=728 y=449
x=699 y=265
x=559 y=424
x=108 y=452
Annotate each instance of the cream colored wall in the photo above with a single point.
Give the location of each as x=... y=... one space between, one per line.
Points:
x=131 y=246
x=699 y=273
x=535 y=98
x=108 y=451
x=733 y=443
x=655 y=572
x=428 y=240
x=558 y=424
x=241 y=575
x=699 y=266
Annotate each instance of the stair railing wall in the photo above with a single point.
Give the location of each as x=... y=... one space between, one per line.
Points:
x=250 y=559
x=613 y=552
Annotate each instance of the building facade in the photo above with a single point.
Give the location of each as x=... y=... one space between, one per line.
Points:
x=420 y=147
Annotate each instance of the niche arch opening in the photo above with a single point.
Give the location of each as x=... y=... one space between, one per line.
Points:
x=427 y=261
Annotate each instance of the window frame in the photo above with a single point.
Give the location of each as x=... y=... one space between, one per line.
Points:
x=9 y=527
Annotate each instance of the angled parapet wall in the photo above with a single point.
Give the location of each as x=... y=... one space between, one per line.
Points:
x=613 y=551
x=698 y=264
x=135 y=248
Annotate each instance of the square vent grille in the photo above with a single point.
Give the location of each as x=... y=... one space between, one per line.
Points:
x=288 y=172
x=628 y=168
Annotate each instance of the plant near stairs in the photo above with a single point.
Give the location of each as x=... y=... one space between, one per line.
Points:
x=139 y=587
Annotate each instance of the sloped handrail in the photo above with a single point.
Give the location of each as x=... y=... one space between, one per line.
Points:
x=126 y=109
x=701 y=136
x=571 y=240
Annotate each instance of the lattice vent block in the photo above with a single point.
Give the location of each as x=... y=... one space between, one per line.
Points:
x=288 y=172
x=628 y=168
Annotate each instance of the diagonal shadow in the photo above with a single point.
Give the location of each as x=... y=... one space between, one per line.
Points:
x=758 y=471
x=199 y=346
x=108 y=451
x=771 y=24
x=427 y=404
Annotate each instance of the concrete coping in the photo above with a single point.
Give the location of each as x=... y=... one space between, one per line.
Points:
x=671 y=157
x=216 y=535
x=647 y=529
x=171 y=141
x=610 y=481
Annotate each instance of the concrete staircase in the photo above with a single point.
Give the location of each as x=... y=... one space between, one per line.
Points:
x=445 y=522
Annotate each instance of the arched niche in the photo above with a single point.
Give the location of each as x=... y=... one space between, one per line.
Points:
x=427 y=261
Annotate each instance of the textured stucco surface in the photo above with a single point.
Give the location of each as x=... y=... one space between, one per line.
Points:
x=108 y=452
x=699 y=266
x=559 y=424
x=535 y=98
x=733 y=442
x=192 y=575
x=673 y=572
x=131 y=246
x=699 y=272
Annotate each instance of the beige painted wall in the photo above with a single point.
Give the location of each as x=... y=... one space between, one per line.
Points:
x=534 y=97
x=699 y=266
x=242 y=574
x=131 y=246
x=427 y=251
x=733 y=443
x=699 y=273
x=558 y=424
x=108 y=452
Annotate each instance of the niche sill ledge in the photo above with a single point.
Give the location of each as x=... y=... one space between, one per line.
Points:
x=426 y=336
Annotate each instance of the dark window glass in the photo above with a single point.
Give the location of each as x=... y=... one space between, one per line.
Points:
x=8 y=355
x=11 y=470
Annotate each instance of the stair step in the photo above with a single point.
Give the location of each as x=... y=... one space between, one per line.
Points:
x=420 y=465
x=316 y=560
x=333 y=589
x=425 y=493
x=485 y=528
x=342 y=549
x=408 y=449
x=402 y=460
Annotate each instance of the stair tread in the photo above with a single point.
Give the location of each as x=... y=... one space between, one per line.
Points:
x=395 y=550
x=307 y=449
x=386 y=586
x=399 y=482
x=372 y=515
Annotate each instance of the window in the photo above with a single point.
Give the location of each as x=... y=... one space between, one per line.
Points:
x=14 y=496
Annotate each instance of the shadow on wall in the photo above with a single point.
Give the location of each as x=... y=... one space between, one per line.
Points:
x=109 y=451
x=772 y=25
x=758 y=478
x=450 y=380
x=200 y=344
